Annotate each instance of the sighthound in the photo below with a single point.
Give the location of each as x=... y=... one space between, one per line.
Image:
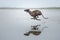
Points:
x=35 y=14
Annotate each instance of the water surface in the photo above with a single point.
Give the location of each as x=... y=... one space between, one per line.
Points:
x=15 y=22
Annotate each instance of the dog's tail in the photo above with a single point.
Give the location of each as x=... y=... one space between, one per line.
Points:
x=44 y=17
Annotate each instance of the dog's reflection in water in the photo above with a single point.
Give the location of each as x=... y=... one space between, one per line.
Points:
x=34 y=30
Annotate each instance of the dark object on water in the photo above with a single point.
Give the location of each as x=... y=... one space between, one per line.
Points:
x=35 y=13
x=35 y=27
x=26 y=34
x=35 y=32
x=32 y=32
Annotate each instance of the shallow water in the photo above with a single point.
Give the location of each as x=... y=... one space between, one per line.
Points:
x=15 y=22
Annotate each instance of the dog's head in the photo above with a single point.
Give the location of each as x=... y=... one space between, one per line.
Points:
x=27 y=10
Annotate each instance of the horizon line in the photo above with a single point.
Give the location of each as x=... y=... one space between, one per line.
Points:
x=29 y=8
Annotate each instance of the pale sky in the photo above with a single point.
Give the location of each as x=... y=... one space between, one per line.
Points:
x=29 y=3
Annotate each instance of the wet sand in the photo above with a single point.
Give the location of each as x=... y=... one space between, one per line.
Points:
x=15 y=22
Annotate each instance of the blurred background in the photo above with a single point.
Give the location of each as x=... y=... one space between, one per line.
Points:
x=29 y=3
x=14 y=21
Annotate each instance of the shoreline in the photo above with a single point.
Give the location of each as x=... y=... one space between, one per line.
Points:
x=29 y=8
